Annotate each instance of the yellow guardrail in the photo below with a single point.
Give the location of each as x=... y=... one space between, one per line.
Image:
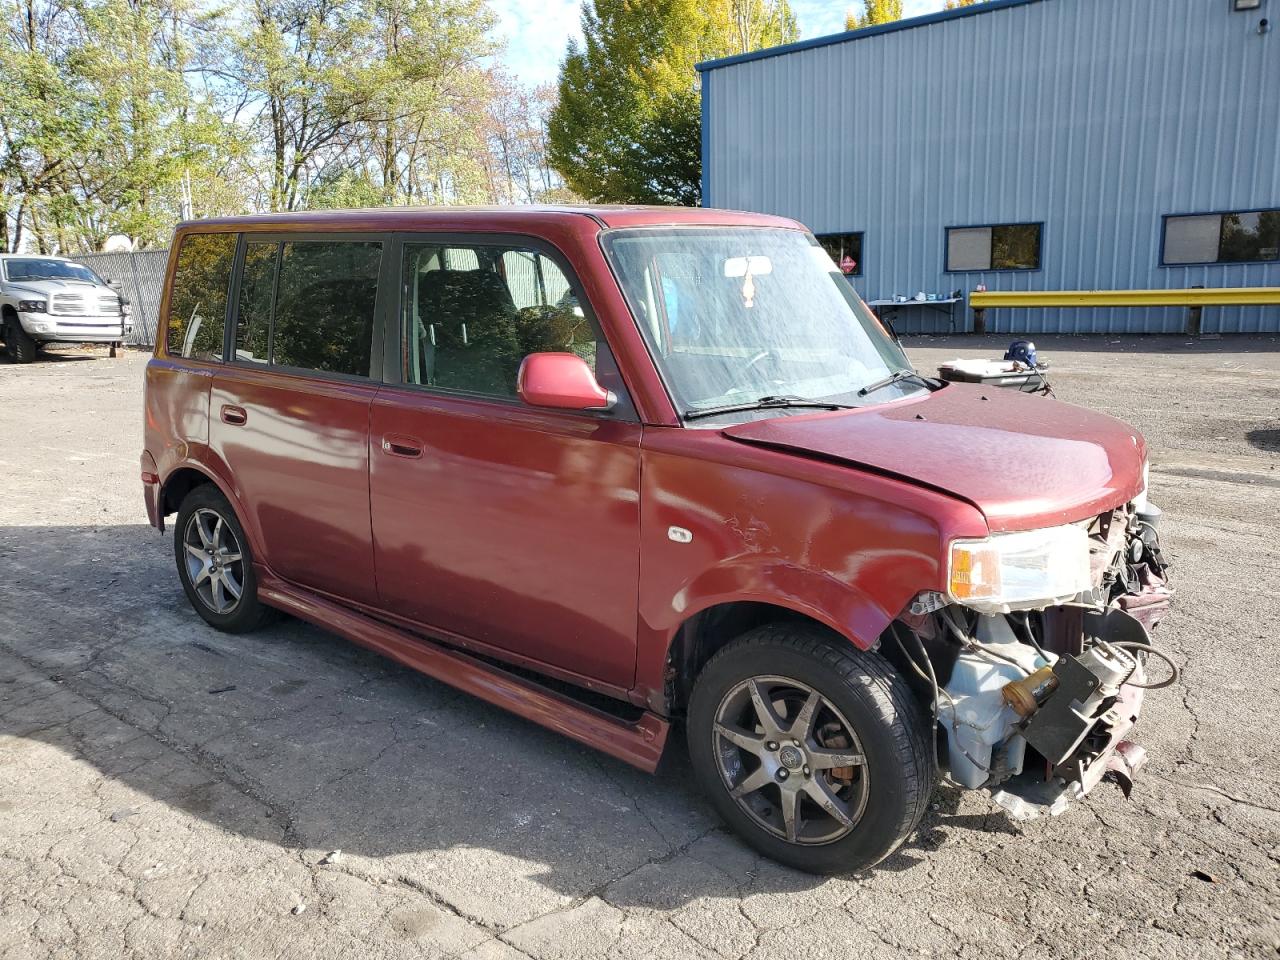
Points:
x=1196 y=297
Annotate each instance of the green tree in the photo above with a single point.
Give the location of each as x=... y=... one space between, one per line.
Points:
x=957 y=4
x=434 y=91
x=302 y=69
x=123 y=116
x=627 y=124
x=101 y=133
x=873 y=12
x=43 y=124
x=156 y=142
x=364 y=86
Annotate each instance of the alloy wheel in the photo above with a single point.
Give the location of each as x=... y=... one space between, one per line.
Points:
x=214 y=560
x=790 y=760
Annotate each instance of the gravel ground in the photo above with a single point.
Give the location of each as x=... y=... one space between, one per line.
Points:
x=169 y=791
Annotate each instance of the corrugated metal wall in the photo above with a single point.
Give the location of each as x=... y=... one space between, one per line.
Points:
x=1095 y=117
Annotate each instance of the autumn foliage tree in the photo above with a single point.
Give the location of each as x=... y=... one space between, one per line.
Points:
x=874 y=12
x=627 y=127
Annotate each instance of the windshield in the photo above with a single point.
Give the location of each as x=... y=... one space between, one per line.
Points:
x=40 y=269
x=736 y=314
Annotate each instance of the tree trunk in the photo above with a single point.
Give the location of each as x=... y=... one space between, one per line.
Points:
x=277 y=170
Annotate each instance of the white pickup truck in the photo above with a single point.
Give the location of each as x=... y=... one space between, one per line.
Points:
x=54 y=300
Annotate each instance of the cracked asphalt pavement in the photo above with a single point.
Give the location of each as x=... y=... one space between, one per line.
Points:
x=169 y=791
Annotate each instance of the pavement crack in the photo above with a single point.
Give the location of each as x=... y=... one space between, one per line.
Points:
x=1210 y=788
x=635 y=802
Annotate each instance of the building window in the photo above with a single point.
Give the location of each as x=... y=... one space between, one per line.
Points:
x=845 y=249
x=1006 y=246
x=1249 y=236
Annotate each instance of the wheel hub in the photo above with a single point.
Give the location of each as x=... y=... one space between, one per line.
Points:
x=776 y=758
x=792 y=757
x=214 y=561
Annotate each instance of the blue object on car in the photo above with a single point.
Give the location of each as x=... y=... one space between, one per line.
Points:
x=1022 y=351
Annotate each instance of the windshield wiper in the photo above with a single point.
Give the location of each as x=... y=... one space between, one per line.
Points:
x=898 y=377
x=766 y=403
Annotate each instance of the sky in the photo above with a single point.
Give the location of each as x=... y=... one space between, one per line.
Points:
x=535 y=31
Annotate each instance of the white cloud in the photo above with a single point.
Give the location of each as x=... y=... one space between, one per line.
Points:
x=535 y=33
x=534 y=36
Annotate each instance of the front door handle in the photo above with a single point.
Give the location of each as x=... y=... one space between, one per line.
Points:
x=401 y=446
x=233 y=415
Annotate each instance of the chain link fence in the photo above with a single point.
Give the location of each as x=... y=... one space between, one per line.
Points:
x=141 y=277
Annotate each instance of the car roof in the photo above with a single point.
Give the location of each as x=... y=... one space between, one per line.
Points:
x=501 y=219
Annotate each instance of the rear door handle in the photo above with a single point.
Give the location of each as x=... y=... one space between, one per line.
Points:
x=401 y=446
x=233 y=414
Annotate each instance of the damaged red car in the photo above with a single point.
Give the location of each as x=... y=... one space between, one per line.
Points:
x=618 y=468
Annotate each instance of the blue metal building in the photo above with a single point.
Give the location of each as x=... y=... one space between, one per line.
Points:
x=1024 y=145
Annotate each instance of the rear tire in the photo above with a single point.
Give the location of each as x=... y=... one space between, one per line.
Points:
x=838 y=775
x=22 y=346
x=215 y=562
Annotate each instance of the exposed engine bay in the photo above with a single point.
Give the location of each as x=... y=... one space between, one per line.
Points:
x=1034 y=703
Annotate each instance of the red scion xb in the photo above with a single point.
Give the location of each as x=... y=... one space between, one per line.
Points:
x=666 y=462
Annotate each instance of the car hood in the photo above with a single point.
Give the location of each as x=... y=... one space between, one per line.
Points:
x=1024 y=461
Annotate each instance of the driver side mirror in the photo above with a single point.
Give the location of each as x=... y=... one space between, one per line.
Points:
x=561 y=381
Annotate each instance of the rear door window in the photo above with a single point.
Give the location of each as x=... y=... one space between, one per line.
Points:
x=308 y=304
x=325 y=301
x=257 y=290
x=198 y=296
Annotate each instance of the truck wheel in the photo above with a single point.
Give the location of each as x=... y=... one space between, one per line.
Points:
x=815 y=752
x=215 y=562
x=22 y=346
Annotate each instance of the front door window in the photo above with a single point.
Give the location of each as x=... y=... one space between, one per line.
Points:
x=474 y=312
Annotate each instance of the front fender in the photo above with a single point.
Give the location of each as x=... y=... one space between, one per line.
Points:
x=726 y=522
x=843 y=607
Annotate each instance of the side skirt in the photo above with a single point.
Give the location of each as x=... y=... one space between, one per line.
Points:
x=639 y=744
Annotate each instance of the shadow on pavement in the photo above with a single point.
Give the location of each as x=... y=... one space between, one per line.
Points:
x=44 y=355
x=1265 y=439
x=336 y=747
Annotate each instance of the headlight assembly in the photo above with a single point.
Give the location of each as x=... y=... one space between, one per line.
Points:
x=33 y=306
x=1019 y=571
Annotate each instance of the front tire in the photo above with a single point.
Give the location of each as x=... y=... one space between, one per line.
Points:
x=215 y=562
x=815 y=752
x=22 y=346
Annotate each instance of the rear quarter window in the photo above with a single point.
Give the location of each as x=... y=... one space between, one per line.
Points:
x=198 y=295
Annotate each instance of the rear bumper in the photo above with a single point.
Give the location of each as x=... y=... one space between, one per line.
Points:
x=151 y=491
